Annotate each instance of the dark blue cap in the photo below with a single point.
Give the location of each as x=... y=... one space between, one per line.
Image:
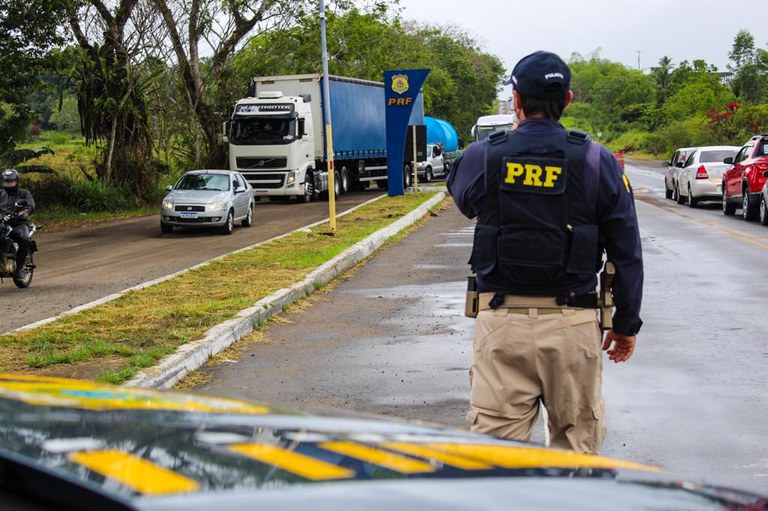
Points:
x=541 y=75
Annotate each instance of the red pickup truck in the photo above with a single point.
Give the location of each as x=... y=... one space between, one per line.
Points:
x=744 y=179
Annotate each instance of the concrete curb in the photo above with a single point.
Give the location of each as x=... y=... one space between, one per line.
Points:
x=195 y=354
x=119 y=294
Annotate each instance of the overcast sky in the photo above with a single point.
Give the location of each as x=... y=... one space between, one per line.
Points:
x=682 y=29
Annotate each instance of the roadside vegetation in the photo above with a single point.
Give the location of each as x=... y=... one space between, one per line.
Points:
x=675 y=105
x=120 y=98
x=112 y=342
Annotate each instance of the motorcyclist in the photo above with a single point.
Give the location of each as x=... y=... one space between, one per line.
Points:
x=10 y=195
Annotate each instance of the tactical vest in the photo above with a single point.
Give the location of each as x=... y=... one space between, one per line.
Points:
x=537 y=233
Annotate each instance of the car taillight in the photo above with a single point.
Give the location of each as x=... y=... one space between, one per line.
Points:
x=701 y=173
x=762 y=165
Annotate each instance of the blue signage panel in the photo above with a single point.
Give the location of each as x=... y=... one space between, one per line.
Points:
x=401 y=93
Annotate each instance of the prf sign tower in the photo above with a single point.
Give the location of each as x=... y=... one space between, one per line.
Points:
x=401 y=91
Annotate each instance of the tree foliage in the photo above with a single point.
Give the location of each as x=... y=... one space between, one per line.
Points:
x=462 y=84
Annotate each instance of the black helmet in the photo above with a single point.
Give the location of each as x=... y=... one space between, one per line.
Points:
x=10 y=176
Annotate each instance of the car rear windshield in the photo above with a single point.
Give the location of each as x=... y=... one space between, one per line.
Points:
x=762 y=150
x=716 y=156
x=210 y=182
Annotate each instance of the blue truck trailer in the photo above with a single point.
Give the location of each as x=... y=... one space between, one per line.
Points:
x=277 y=136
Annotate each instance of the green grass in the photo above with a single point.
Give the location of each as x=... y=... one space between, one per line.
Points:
x=116 y=340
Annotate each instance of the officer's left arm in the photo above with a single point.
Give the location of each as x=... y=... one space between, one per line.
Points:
x=619 y=227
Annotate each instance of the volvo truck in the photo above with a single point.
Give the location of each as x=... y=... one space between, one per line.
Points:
x=277 y=137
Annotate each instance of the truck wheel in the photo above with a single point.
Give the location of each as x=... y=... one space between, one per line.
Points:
x=344 y=182
x=728 y=208
x=763 y=211
x=407 y=176
x=309 y=189
x=336 y=184
x=748 y=211
x=428 y=176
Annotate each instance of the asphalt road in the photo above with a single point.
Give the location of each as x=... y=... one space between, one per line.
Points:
x=78 y=266
x=392 y=340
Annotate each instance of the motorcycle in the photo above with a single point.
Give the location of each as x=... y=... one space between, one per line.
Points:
x=9 y=248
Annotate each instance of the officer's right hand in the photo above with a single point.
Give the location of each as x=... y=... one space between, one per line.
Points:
x=623 y=346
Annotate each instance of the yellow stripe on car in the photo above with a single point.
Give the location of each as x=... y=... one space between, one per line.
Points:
x=296 y=463
x=453 y=460
x=379 y=457
x=137 y=473
x=530 y=457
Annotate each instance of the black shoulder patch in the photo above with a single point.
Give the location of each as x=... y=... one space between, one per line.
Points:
x=497 y=137
x=578 y=137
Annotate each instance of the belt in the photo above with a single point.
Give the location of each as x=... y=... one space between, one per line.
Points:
x=544 y=304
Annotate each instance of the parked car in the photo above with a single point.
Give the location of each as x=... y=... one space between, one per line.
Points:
x=701 y=177
x=673 y=168
x=744 y=180
x=434 y=166
x=208 y=198
x=78 y=445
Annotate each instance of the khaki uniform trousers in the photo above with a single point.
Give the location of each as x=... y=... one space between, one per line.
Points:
x=529 y=352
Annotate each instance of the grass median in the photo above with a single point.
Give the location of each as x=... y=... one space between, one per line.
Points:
x=112 y=342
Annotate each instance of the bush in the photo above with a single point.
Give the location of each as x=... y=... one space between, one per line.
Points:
x=82 y=195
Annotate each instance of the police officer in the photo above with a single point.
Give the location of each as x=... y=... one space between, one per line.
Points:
x=548 y=203
x=10 y=194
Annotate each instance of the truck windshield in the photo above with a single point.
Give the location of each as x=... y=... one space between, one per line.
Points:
x=263 y=131
x=484 y=131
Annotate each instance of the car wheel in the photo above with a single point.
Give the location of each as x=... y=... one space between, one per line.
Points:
x=428 y=175
x=692 y=202
x=344 y=182
x=229 y=226
x=309 y=189
x=728 y=208
x=763 y=211
x=669 y=193
x=248 y=220
x=748 y=210
x=680 y=198
x=166 y=228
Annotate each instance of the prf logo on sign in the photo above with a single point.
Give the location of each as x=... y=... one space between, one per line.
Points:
x=400 y=84
x=537 y=175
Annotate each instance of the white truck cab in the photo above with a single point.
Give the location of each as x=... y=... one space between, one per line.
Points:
x=271 y=142
x=487 y=124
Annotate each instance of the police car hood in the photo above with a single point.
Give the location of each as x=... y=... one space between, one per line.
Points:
x=143 y=449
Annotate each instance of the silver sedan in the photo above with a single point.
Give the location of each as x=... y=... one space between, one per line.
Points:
x=208 y=198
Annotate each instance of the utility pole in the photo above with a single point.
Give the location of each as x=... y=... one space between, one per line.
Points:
x=328 y=129
x=638 y=58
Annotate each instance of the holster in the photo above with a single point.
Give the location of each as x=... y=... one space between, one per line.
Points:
x=472 y=305
x=605 y=298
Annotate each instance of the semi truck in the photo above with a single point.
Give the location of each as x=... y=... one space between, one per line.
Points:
x=487 y=124
x=277 y=136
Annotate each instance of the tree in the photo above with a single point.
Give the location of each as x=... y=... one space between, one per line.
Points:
x=28 y=30
x=743 y=50
x=462 y=85
x=662 y=77
x=112 y=91
x=192 y=25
